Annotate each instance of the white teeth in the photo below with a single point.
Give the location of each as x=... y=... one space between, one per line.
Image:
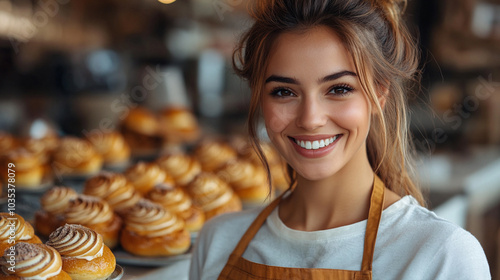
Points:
x=314 y=145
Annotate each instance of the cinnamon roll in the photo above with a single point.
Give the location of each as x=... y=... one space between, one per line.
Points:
x=181 y=167
x=32 y=262
x=54 y=203
x=140 y=130
x=247 y=180
x=112 y=147
x=213 y=195
x=150 y=230
x=42 y=148
x=76 y=156
x=14 y=229
x=29 y=170
x=96 y=214
x=213 y=155
x=114 y=188
x=145 y=175
x=178 y=202
x=84 y=254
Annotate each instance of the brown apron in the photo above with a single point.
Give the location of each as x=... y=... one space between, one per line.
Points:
x=238 y=268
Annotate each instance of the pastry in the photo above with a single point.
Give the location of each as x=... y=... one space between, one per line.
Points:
x=28 y=169
x=213 y=155
x=43 y=149
x=54 y=203
x=7 y=142
x=13 y=229
x=178 y=202
x=83 y=252
x=249 y=181
x=145 y=175
x=113 y=148
x=76 y=157
x=181 y=167
x=178 y=125
x=140 y=128
x=32 y=261
x=213 y=195
x=152 y=231
x=114 y=188
x=95 y=213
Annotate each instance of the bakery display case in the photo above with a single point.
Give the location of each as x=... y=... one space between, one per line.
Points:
x=125 y=117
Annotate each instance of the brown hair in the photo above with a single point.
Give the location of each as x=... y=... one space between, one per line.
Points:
x=385 y=57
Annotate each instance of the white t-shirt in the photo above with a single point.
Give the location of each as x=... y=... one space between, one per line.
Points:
x=412 y=243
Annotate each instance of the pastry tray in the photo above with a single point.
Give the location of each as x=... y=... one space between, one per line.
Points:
x=117 y=274
x=126 y=258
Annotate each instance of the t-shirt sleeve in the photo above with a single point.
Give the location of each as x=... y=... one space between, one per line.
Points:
x=460 y=257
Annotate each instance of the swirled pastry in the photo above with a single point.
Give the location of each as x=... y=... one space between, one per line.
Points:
x=84 y=254
x=140 y=129
x=213 y=195
x=96 y=214
x=7 y=142
x=150 y=230
x=54 y=203
x=76 y=156
x=213 y=155
x=181 y=167
x=27 y=166
x=32 y=262
x=112 y=147
x=178 y=125
x=14 y=229
x=145 y=175
x=247 y=180
x=178 y=202
x=114 y=188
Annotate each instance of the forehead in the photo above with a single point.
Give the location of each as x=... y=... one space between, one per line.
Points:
x=318 y=48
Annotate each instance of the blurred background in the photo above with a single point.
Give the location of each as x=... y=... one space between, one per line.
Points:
x=70 y=64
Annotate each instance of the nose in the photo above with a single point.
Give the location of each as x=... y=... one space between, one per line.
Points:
x=311 y=114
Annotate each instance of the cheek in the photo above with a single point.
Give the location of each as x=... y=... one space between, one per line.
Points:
x=353 y=116
x=276 y=118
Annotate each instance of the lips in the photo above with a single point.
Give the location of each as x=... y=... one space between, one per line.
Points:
x=314 y=146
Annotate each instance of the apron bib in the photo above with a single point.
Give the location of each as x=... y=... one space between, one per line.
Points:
x=238 y=268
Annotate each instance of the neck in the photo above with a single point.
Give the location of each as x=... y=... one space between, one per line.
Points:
x=339 y=200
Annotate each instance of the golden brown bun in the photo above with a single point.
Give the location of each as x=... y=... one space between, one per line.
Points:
x=96 y=214
x=54 y=203
x=213 y=155
x=142 y=121
x=181 y=167
x=24 y=232
x=150 y=230
x=179 y=125
x=49 y=264
x=145 y=175
x=76 y=156
x=112 y=147
x=84 y=255
x=114 y=188
x=213 y=195
x=247 y=180
x=178 y=202
x=28 y=169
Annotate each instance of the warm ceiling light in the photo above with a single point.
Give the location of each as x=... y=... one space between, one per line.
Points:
x=166 y=1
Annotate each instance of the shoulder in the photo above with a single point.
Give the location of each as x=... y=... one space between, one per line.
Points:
x=434 y=243
x=215 y=242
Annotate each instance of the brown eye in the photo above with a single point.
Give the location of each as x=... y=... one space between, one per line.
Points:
x=282 y=92
x=341 y=90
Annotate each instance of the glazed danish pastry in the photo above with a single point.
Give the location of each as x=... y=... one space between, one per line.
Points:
x=213 y=155
x=76 y=156
x=213 y=195
x=112 y=147
x=178 y=202
x=178 y=125
x=32 y=261
x=114 y=188
x=54 y=203
x=96 y=214
x=23 y=231
x=28 y=168
x=150 y=230
x=84 y=254
x=140 y=130
x=145 y=175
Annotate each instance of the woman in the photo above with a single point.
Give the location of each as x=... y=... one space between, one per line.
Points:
x=330 y=79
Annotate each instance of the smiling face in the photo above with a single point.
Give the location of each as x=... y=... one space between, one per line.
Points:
x=315 y=111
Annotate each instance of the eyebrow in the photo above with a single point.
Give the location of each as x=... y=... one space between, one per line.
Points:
x=287 y=80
